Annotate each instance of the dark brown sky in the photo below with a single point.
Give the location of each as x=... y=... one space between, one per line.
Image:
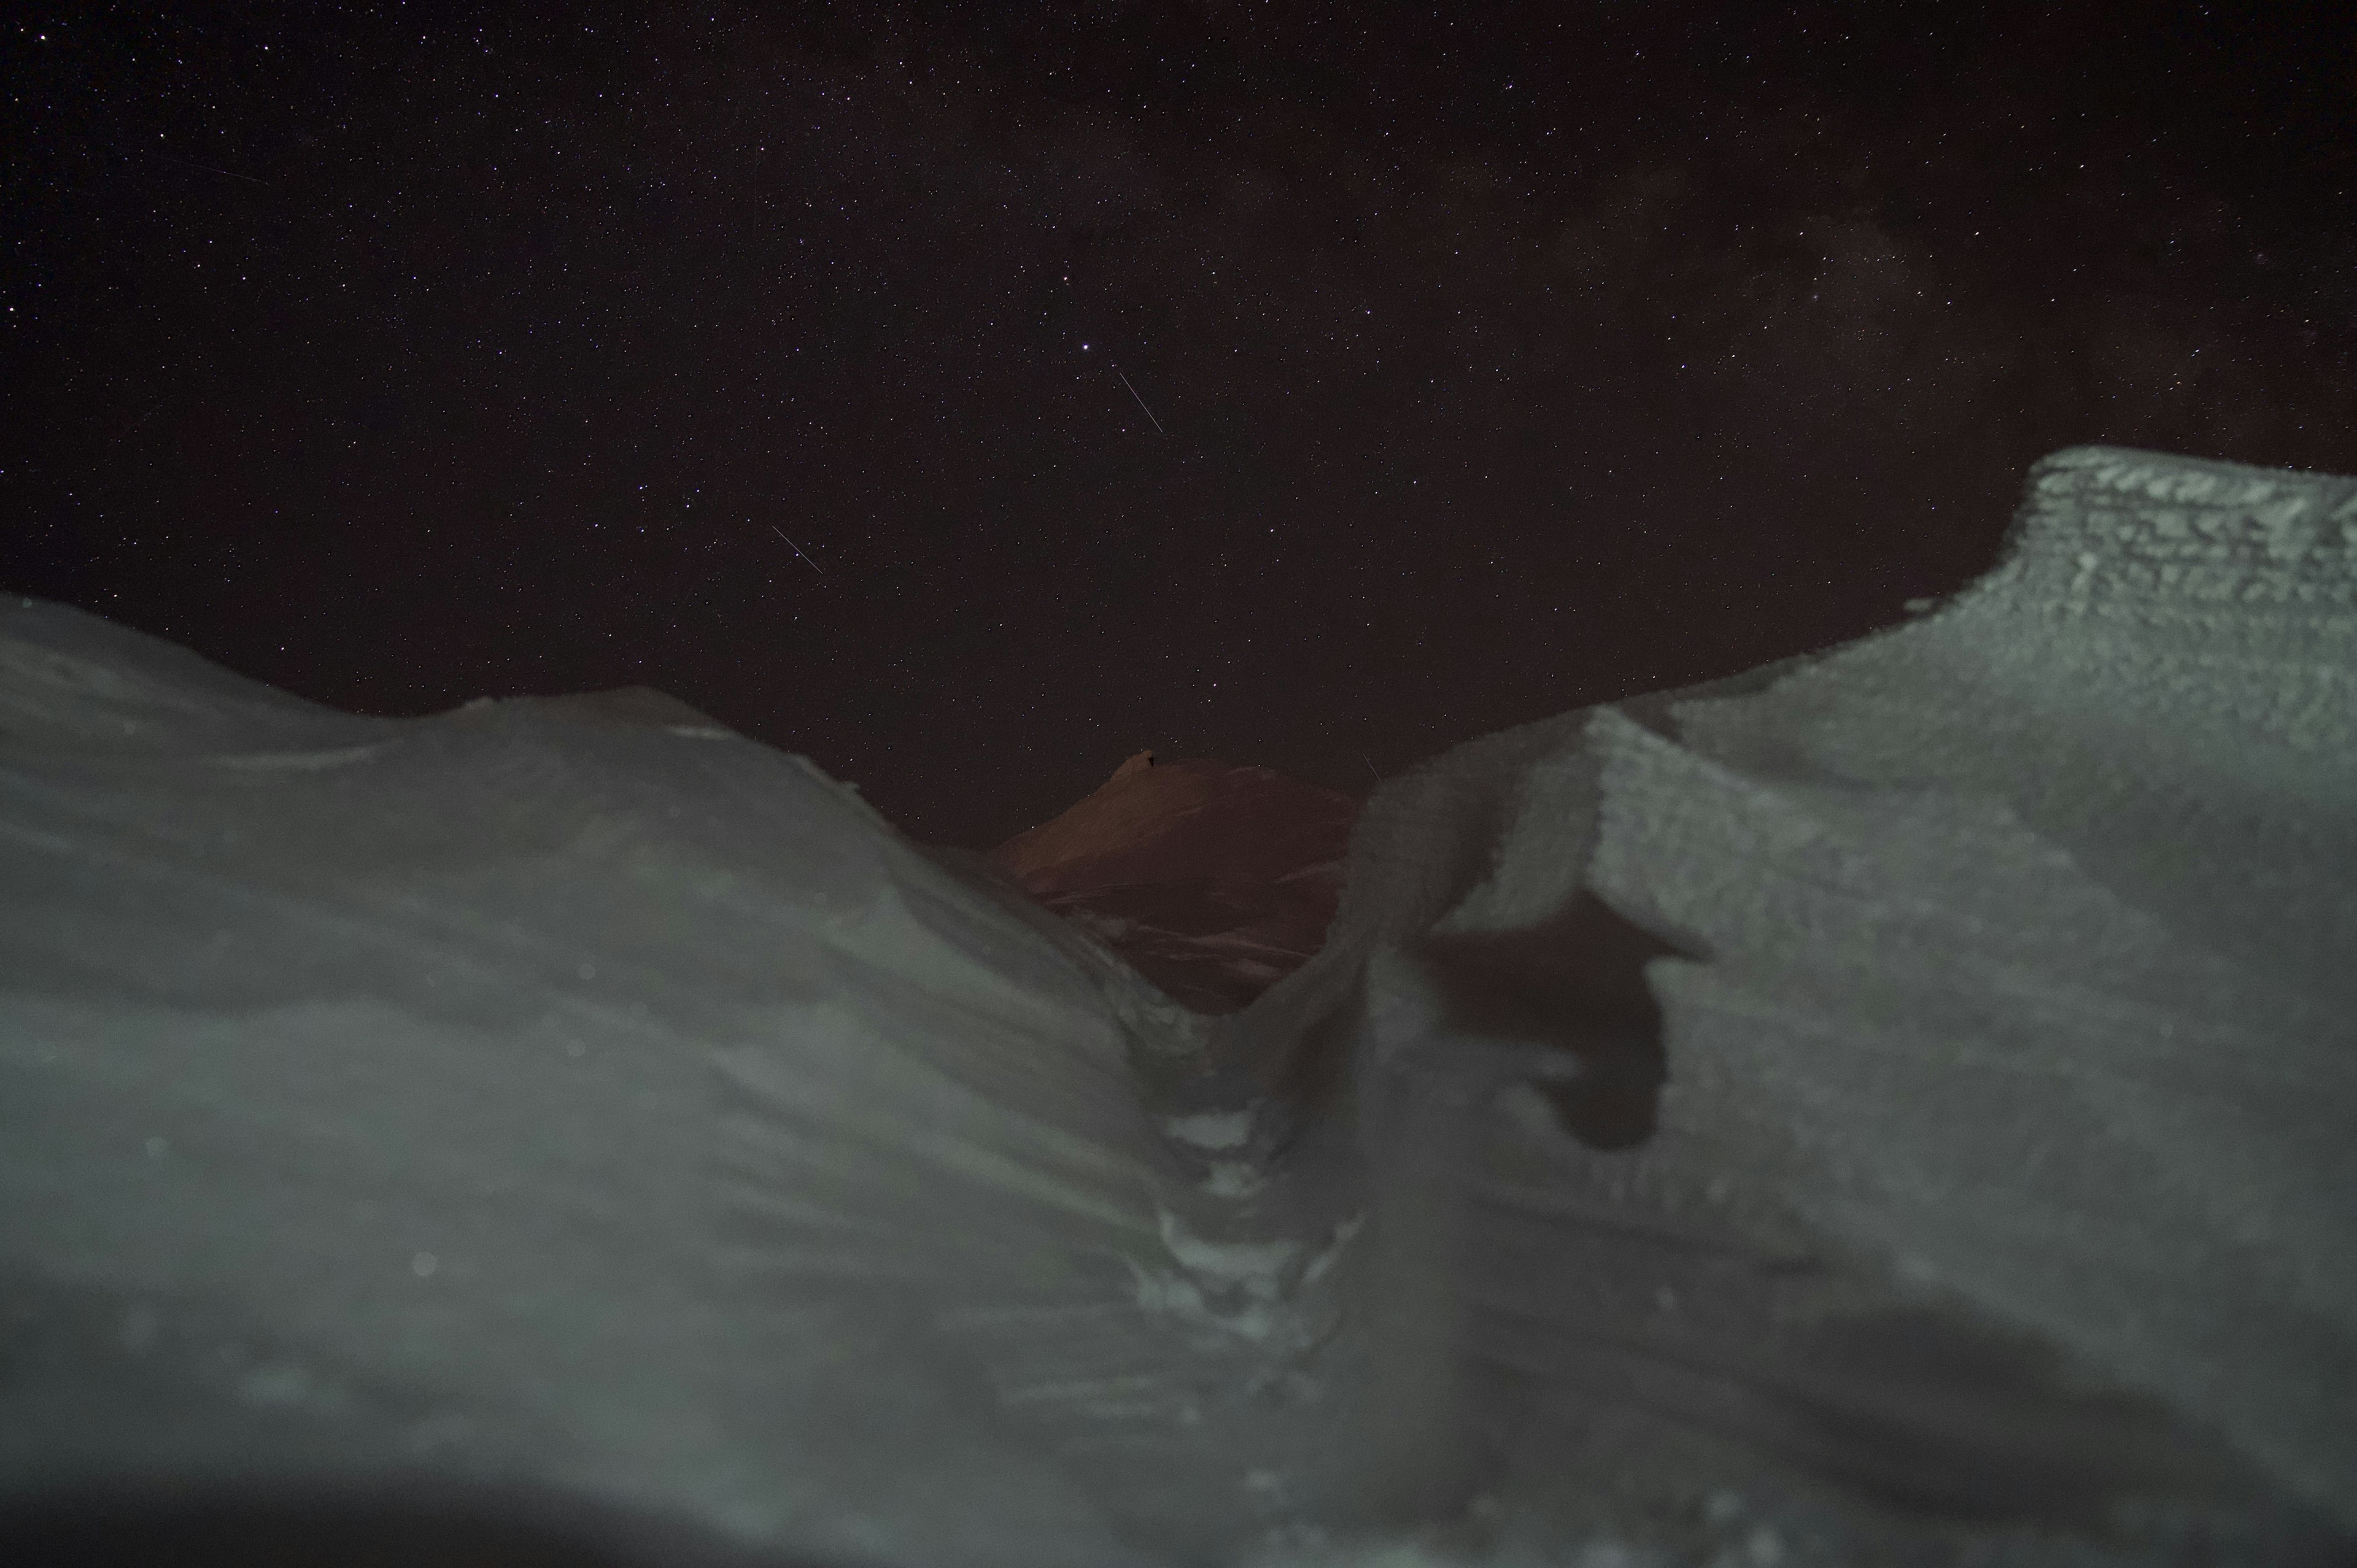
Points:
x=1504 y=357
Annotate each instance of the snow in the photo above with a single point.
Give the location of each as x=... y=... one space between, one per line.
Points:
x=1893 y=1106
x=1217 y=1130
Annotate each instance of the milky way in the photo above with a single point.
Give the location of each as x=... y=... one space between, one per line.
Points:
x=970 y=402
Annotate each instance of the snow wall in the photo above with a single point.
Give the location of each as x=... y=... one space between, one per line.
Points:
x=1898 y=1106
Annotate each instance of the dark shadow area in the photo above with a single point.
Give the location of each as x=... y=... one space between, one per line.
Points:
x=1825 y=1369
x=1931 y=1413
x=1576 y=983
x=426 y=1525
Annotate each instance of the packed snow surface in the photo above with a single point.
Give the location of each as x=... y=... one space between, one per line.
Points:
x=1899 y=1106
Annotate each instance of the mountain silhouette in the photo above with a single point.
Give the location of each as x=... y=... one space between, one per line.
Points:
x=1212 y=880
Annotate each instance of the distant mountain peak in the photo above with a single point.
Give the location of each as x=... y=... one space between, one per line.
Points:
x=1213 y=880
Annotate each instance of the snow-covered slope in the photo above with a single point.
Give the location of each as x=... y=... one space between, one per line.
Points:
x=1895 y=1106
x=567 y=1093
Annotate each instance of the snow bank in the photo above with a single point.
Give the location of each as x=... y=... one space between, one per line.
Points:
x=1891 y=1107
x=1954 y=1076
x=542 y=1094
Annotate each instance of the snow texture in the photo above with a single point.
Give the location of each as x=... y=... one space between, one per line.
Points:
x=1893 y=1107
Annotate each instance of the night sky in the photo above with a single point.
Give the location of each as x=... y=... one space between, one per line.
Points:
x=1481 y=360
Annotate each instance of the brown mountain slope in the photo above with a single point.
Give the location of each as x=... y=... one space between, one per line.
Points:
x=1213 y=881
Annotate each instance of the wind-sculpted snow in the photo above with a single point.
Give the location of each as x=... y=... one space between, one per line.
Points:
x=1893 y=1107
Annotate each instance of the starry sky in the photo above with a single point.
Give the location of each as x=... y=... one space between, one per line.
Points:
x=968 y=396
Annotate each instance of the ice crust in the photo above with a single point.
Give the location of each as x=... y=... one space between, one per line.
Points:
x=1898 y=1106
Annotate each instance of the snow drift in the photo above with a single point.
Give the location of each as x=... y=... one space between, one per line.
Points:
x=1893 y=1107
